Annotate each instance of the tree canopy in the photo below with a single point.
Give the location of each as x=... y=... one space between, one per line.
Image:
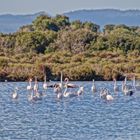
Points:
x=79 y=49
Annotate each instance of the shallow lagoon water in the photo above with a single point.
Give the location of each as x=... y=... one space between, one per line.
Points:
x=86 y=117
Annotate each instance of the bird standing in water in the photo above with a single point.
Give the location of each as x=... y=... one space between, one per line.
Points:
x=15 y=94
x=93 y=88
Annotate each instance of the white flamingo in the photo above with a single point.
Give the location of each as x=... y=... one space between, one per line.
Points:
x=123 y=85
x=15 y=94
x=37 y=95
x=72 y=94
x=34 y=96
x=34 y=89
x=70 y=85
x=109 y=97
x=58 y=87
x=59 y=95
x=93 y=88
x=125 y=80
x=127 y=90
x=36 y=84
x=45 y=84
x=61 y=81
x=136 y=86
x=65 y=93
x=80 y=91
x=104 y=94
x=116 y=88
x=68 y=94
x=31 y=96
x=29 y=87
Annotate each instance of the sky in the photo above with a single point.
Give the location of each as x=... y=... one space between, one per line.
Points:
x=54 y=7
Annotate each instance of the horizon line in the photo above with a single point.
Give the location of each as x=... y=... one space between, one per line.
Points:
x=87 y=9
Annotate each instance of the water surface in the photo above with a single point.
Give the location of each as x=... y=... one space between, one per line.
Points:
x=80 y=118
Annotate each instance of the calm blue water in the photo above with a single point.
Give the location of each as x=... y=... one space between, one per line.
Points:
x=80 y=118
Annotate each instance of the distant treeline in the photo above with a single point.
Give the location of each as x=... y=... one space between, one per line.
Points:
x=79 y=49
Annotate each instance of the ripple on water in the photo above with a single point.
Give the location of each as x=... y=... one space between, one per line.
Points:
x=79 y=118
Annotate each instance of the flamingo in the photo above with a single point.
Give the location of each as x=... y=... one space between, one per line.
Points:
x=136 y=86
x=37 y=94
x=125 y=80
x=58 y=91
x=45 y=83
x=128 y=92
x=104 y=94
x=109 y=98
x=36 y=84
x=116 y=88
x=29 y=87
x=123 y=85
x=59 y=95
x=70 y=85
x=61 y=81
x=80 y=91
x=68 y=94
x=34 y=96
x=31 y=96
x=15 y=94
x=126 y=89
x=58 y=87
x=93 y=88
x=128 y=85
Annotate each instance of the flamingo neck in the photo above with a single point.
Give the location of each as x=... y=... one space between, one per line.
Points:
x=45 y=79
x=30 y=83
x=65 y=90
x=125 y=81
x=115 y=83
x=123 y=86
x=134 y=82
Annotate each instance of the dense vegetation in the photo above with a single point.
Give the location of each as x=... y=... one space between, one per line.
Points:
x=54 y=44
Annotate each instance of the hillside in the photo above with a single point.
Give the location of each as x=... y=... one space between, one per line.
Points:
x=107 y=16
x=11 y=23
